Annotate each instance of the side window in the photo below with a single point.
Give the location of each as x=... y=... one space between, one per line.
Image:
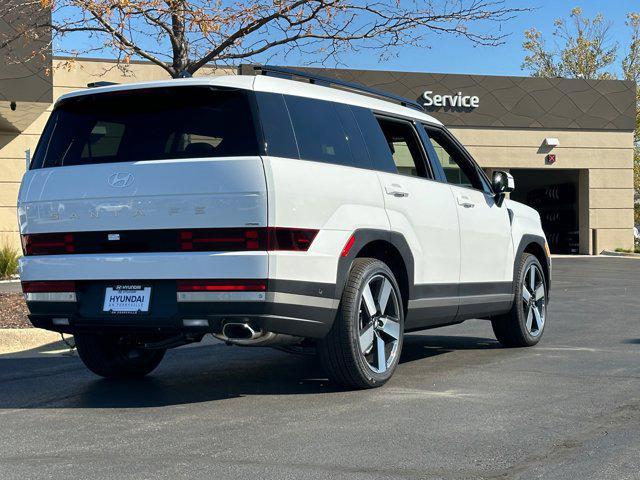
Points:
x=318 y=131
x=354 y=136
x=405 y=148
x=276 y=126
x=457 y=169
x=374 y=140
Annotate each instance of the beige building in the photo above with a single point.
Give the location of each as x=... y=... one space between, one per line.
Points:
x=568 y=143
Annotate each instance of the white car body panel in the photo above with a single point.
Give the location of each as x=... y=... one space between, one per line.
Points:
x=526 y=221
x=143 y=266
x=486 y=245
x=163 y=194
x=334 y=199
x=428 y=220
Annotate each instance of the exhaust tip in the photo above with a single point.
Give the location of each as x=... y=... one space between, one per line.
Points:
x=239 y=331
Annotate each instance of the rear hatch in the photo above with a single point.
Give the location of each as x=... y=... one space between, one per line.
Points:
x=112 y=166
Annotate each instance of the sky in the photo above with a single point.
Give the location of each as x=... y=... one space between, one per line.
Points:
x=447 y=54
x=454 y=55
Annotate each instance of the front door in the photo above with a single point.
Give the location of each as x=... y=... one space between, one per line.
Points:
x=486 y=247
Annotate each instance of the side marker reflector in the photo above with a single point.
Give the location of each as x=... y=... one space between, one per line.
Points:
x=348 y=245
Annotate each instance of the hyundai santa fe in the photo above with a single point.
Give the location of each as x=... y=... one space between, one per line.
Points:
x=268 y=211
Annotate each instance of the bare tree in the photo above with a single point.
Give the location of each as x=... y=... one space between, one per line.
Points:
x=181 y=36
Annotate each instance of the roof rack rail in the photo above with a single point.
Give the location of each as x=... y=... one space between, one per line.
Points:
x=335 y=82
x=101 y=84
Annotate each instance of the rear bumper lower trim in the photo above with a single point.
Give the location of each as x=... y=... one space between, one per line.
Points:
x=220 y=297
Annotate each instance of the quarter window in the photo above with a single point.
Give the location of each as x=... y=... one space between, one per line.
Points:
x=319 y=132
x=276 y=126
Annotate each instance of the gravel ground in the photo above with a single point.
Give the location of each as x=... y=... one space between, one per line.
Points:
x=13 y=311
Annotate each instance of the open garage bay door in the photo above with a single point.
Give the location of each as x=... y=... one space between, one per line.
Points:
x=555 y=195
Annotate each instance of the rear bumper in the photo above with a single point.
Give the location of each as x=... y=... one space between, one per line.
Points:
x=294 y=308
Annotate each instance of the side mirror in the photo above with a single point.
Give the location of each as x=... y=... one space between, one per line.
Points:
x=502 y=183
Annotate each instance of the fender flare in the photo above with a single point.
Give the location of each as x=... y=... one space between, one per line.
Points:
x=526 y=240
x=363 y=237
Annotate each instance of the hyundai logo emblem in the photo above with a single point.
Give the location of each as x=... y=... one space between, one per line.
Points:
x=121 y=179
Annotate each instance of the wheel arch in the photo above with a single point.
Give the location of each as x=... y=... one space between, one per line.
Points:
x=536 y=246
x=388 y=247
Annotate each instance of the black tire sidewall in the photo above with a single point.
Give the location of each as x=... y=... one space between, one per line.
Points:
x=521 y=314
x=103 y=356
x=375 y=267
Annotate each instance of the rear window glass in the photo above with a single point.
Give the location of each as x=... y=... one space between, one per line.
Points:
x=150 y=124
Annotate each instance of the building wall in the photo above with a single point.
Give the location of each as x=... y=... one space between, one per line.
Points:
x=605 y=162
x=604 y=158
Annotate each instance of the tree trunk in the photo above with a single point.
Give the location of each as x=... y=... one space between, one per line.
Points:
x=179 y=43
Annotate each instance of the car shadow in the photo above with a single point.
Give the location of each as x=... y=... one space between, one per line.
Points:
x=190 y=375
x=418 y=347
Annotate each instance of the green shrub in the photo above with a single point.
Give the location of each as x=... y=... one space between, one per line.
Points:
x=8 y=261
x=628 y=250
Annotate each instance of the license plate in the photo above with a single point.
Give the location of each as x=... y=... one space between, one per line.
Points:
x=127 y=299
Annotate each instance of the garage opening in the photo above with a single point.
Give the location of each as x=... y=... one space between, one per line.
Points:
x=555 y=195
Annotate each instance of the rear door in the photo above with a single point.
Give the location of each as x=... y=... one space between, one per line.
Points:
x=422 y=210
x=153 y=158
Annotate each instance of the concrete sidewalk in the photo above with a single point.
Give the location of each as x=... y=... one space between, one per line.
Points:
x=34 y=340
x=10 y=286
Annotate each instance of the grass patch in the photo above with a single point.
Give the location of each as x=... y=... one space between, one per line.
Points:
x=8 y=261
x=628 y=250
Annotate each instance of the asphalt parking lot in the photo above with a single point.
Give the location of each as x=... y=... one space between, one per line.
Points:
x=458 y=407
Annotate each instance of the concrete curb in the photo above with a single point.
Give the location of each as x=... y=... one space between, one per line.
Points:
x=14 y=340
x=611 y=253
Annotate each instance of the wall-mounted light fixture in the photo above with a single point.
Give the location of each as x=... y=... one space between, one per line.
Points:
x=551 y=142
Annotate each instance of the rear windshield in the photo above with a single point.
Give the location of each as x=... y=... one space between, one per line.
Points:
x=149 y=124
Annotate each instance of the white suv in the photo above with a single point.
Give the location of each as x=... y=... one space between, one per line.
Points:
x=273 y=212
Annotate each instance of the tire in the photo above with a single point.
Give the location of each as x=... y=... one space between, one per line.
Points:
x=108 y=357
x=346 y=359
x=524 y=324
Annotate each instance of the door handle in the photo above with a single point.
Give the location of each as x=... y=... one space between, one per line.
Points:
x=395 y=191
x=465 y=202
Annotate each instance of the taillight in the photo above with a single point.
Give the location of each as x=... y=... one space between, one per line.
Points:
x=222 y=239
x=48 y=244
x=246 y=239
x=49 y=286
x=230 y=285
x=298 y=239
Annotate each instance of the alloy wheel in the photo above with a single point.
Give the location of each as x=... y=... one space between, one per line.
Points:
x=379 y=323
x=534 y=300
